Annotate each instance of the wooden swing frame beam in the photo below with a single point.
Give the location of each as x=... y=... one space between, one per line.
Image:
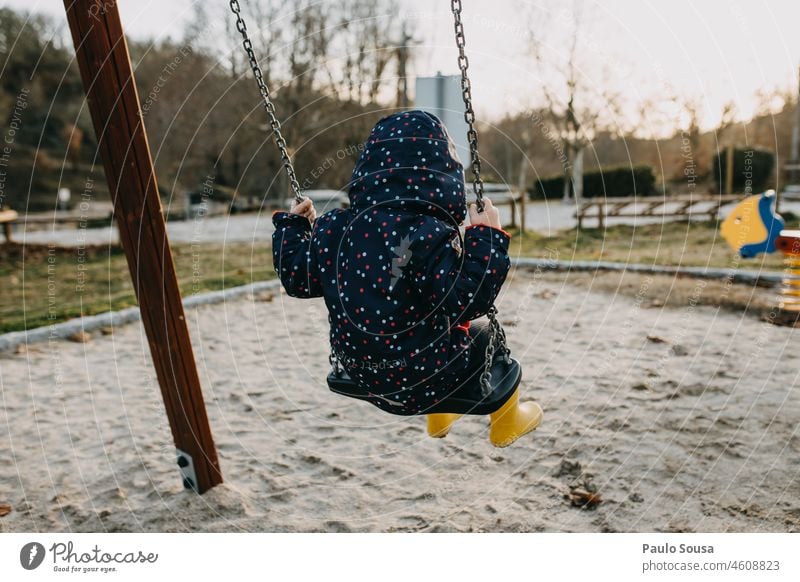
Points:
x=113 y=101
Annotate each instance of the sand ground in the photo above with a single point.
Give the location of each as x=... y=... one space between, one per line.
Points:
x=681 y=418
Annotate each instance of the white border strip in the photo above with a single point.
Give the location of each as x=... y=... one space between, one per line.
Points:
x=10 y=341
x=763 y=278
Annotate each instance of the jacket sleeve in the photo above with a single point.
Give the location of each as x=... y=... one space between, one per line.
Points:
x=465 y=282
x=293 y=255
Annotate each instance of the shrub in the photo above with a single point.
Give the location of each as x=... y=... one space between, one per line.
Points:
x=614 y=181
x=752 y=169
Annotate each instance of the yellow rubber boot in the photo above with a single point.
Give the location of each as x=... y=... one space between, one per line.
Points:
x=439 y=424
x=513 y=420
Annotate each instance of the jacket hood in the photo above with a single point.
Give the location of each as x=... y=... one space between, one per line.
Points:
x=409 y=163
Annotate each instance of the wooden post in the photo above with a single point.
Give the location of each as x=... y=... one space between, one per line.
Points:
x=513 y=209
x=105 y=66
x=6 y=218
x=729 y=170
x=522 y=200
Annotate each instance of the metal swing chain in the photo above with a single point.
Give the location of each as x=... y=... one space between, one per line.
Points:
x=269 y=107
x=469 y=114
x=497 y=336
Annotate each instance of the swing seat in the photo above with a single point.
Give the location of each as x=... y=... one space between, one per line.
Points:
x=466 y=399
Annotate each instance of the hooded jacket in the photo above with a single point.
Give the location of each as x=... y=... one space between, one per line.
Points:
x=400 y=283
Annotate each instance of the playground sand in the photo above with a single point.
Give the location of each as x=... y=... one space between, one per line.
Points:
x=677 y=418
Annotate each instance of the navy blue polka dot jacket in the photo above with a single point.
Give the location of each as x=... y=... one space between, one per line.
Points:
x=400 y=283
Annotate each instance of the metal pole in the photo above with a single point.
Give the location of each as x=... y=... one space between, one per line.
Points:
x=729 y=159
x=796 y=133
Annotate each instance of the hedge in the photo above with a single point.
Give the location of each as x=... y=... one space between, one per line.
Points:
x=749 y=164
x=614 y=181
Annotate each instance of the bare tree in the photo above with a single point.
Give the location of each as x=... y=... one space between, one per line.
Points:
x=270 y=34
x=368 y=46
x=578 y=106
x=726 y=121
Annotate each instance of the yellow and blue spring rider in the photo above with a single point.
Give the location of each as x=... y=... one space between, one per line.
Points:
x=754 y=227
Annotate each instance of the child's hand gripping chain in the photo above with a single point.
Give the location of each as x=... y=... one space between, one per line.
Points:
x=490 y=215
x=305 y=209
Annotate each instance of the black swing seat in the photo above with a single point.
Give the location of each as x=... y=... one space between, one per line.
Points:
x=466 y=399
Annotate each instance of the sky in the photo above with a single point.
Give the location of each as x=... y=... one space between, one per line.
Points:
x=709 y=51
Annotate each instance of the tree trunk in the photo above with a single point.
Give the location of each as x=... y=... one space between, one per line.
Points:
x=567 y=164
x=577 y=174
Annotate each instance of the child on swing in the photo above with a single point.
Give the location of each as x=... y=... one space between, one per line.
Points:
x=401 y=287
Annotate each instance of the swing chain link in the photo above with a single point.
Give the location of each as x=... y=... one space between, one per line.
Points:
x=497 y=343
x=269 y=107
x=336 y=364
x=486 y=375
x=469 y=114
x=497 y=336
